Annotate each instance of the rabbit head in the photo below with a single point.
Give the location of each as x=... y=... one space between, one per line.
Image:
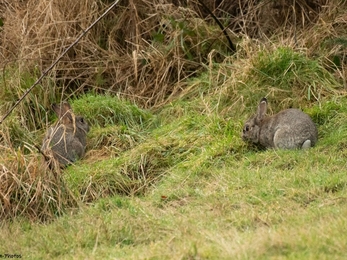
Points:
x=70 y=120
x=67 y=139
x=251 y=128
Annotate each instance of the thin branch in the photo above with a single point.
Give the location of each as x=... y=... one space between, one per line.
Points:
x=232 y=47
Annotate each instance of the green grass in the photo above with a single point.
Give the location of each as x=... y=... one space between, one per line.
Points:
x=191 y=189
x=285 y=204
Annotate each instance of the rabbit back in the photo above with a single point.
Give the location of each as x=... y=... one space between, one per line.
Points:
x=67 y=139
x=289 y=129
x=65 y=146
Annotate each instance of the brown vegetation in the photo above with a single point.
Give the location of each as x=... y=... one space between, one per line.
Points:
x=28 y=188
x=142 y=49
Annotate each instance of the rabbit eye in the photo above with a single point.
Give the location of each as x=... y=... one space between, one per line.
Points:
x=247 y=128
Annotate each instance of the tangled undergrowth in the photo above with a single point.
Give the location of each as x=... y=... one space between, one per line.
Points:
x=28 y=188
x=143 y=50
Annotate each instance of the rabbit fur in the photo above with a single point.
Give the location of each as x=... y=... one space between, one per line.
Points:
x=67 y=139
x=288 y=129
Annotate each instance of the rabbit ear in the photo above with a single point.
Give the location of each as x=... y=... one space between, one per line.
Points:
x=262 y=107
x=63 y=111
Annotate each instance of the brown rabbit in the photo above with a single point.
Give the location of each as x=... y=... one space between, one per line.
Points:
x=288 y=129
x=67 y=139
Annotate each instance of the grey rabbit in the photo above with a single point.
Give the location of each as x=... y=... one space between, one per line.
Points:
x=288 y=129
x=67 y=139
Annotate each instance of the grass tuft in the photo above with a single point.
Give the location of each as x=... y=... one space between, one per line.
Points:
x=104 y=111
x=29 y=189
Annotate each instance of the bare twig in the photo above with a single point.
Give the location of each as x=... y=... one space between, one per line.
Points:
x=56 y=61
x=231 y=45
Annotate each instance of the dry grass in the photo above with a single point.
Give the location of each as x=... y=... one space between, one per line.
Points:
x=259 y=19
x=116 y=56
x=29 y=189
x=143 y=49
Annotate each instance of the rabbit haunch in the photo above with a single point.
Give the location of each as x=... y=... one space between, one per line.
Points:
x=67 y=139
x=288 y=129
